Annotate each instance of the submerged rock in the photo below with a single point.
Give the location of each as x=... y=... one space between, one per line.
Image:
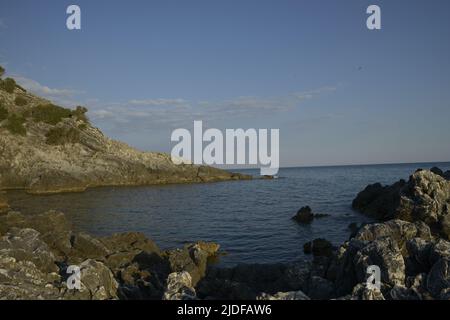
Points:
x=306 y=216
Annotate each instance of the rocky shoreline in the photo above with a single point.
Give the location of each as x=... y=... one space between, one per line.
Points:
x=47 y=149
x=410 y=244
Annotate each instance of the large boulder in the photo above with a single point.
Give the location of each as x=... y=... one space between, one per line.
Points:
x=384 y=253
x=97 y=283
x=26 y=245
x=438 y=280
x=179 y=287
x=27 y=267
x=425 y=197
x=53 y=227
x=193 y=258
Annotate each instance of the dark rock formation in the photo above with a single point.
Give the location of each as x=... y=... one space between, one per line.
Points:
x=306 y=216
x=245 y=282
x=318 y=247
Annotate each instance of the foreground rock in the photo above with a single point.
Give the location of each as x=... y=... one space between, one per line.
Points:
x=425 y=197
x=318 y=247
x=36 y=252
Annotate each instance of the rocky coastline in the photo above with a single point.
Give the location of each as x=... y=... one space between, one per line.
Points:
x=410 y=244
x=46 y=148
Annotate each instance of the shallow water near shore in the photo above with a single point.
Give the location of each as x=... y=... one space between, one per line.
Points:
x=251 y=220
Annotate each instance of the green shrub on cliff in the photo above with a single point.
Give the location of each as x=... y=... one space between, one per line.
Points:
x=80 y=114
x=50 y=113
x=15 y=125
x=2 y=71
x=3 y=113
x=20 y=101
x=8 y=85
x=60 y=136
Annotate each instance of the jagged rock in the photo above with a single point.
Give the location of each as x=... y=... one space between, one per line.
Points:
x=193 y=259
x=398 y=230
x=291 y=295
x=27 y=268
x=447 y=175
x=384 y=253
x=85 y=246
x=439 y=250
x=379 y=201
x=179 y=287
x=354 y=257
x=320 y=288
x=130 y=241
x=418 y=284
x=437 y=171
x=54 y=228
x=404 y=293
x=97 y=283
x=425 y=197
x=26 y=245
x=438 y=280
x=418 y=259
x=319 y=247
x=246 y=282
x=361 y=292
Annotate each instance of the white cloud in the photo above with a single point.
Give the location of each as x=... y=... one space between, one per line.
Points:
x=178 y=112
x=157 y=102
x=42 y=90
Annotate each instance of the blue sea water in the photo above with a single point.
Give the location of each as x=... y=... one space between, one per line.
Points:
x=251 y=220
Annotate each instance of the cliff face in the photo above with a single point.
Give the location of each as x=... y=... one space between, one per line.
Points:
x=46 y=149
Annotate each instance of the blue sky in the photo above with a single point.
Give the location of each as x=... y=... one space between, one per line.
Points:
x=338 y=92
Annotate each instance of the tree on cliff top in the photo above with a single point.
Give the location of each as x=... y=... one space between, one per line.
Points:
x=2 y=71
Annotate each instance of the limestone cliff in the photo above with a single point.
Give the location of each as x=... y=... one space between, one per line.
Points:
x=45 y=148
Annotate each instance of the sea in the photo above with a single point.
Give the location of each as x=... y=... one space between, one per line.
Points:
x=251 y=220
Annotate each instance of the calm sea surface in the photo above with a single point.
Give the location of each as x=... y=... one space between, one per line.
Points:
x=251 y=220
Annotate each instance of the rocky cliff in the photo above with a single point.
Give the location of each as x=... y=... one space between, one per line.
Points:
x=45 y=148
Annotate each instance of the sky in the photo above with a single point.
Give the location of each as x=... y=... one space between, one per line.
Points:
x=339 y=92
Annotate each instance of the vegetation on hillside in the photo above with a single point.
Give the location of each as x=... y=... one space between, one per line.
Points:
x=50 y=113
x=47 y=113
x=3 y=113
x=8 y=85
x=60 y=136
x=15 y=125
x=20 y=101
